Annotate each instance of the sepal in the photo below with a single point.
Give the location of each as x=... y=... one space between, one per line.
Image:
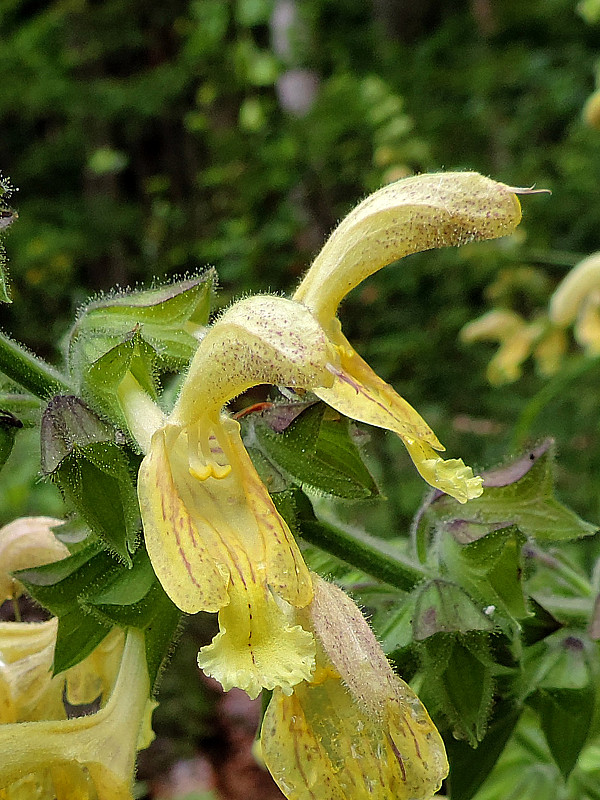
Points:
x=170 y=319
x=93 y=472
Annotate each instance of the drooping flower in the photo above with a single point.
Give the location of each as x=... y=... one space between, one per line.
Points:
x=355 y=730
x=576 y=300
x=414 y=214
x=518 y=340
x=27 y=542
x=92 y=757
x=214 y=537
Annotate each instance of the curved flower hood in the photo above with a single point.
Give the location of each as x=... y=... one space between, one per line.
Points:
x=411 y=215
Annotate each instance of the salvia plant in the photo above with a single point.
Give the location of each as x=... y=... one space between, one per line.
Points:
x=176 y=504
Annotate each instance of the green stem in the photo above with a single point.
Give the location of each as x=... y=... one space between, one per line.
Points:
x=29 y=371
x=552 y=389
x=373 y=556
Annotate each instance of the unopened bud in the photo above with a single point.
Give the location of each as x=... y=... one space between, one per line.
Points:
x=27 y=542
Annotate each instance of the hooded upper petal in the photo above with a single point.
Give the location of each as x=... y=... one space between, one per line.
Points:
x=261 y=339
x=405 y=217
x=411 y=215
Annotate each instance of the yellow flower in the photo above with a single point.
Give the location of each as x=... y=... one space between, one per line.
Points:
x=354 y=731
x=214 y=537
x=409 y=216
x=46 y=755
x=518 y=340
x=577 y=300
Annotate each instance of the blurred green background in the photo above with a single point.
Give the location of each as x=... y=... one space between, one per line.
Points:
x=151 y=139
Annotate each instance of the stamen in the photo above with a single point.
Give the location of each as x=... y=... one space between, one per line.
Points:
x=203 y=445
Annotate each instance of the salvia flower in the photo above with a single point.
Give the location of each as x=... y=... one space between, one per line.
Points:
x=518 y=339
x=576 y=300
x=411 y=215
x=355 y=730
x=214 y=537
x=51 y=757
x=46 y=753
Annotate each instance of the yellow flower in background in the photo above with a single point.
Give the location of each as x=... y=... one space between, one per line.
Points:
x=518 y=341
x=83 y=758
x=414 y=214
x=213 y=535
x=355 y=730
x=576 y=300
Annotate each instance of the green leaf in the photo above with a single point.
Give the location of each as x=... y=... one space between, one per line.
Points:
x=7 y=217
x=135 y=598
x=126 y=587
x=540 y=624
x=58 y=586
x=490 y=568
x=458 y=681
x=92 y=471
x=167 y=317
x=468 y=767
x=4 y=294
x=155 y=614
x=77 y=636
x=68 y=424
x=566 y=717
x=521 y=494
x=92 y=592
x=442 y=607
x=9 y=425
x=316 y=451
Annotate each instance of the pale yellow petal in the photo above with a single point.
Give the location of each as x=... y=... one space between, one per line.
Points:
x=258 y=644
x=496 y=325
x=175 y=540
x=261 y=339
x=318 y=744
x=95 y=676
x=451 y=476
x=359 y=393
x=355 y=731
x=215 y=523
x=103 y=744
x=587 y=328
x=573 y=290
x=26 y=656
x=550 y=351
x=408 y=216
